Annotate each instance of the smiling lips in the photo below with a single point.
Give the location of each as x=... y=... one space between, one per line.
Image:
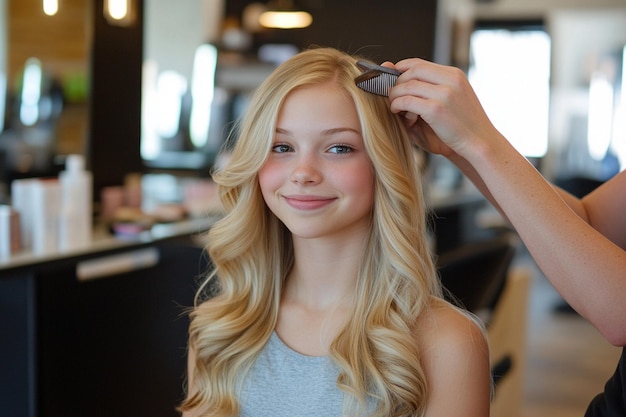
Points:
x=308 y=202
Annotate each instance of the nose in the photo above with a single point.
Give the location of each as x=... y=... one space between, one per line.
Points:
x=306 y=171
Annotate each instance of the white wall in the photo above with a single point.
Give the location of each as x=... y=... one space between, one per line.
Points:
x=580 y=38
x=507 y=8
x=582 y=41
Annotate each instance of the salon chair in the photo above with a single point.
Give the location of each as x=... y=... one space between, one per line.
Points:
x=479 y=276
x=506 y=332
x=474 y=273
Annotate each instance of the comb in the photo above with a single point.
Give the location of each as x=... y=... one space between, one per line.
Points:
x=376 y=79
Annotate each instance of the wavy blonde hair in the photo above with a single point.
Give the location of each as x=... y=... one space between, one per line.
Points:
x=252 y=253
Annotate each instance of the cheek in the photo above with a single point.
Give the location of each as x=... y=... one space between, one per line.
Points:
x=269 y=179
x=358 y=181
x=366 y=187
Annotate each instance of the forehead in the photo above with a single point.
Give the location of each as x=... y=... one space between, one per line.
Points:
x=321 y=104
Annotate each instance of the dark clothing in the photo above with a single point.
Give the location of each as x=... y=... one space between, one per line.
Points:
x=612 y=402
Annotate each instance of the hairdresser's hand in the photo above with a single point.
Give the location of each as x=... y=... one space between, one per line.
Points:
x=441 y=110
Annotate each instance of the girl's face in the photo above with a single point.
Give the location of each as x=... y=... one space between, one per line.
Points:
x=318 y=179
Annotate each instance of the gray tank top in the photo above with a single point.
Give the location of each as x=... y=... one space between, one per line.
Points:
x=285 y=383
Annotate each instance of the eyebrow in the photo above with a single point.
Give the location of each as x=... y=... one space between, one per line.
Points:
x=332 y=131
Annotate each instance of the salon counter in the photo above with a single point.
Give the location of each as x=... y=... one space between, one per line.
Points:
x=99 y=331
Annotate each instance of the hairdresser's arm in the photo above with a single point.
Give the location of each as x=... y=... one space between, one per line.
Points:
x=580 y=249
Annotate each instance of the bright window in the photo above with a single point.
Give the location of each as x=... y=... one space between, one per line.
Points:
x=510 y=71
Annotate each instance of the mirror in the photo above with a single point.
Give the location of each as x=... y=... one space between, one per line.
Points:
x=43 y=85
x=180 y=119
x=175 y=34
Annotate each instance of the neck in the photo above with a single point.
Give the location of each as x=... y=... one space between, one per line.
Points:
x=319 y=292
x=320 y=287
x=323 y=274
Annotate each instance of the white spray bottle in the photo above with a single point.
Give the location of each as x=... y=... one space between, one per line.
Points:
x=76 y=215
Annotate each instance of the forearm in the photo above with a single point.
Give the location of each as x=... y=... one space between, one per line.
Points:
x=468 y=170
x=573 y=202
x=583 y=265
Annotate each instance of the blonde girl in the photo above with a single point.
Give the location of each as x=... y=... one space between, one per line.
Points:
x=324 y=299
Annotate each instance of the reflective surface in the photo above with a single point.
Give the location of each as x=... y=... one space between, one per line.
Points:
x=45 y=85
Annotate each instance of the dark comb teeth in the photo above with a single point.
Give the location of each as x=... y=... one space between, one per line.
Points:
x=379 y=84
x=376 y=79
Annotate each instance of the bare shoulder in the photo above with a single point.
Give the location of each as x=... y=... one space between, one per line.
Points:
x=445 y=324
x=455 y=357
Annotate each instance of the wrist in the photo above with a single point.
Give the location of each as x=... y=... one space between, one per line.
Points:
x=488 y=150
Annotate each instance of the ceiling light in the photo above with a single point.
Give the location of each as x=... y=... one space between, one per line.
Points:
x=50 y=7
x=282 y=14
x=119 y=12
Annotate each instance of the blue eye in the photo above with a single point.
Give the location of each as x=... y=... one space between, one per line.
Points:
x=340 y=149
x=281 y=148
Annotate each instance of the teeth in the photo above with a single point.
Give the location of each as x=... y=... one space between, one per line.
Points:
x=377 y=84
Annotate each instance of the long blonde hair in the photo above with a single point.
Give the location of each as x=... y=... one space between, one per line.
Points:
x=252 y=254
